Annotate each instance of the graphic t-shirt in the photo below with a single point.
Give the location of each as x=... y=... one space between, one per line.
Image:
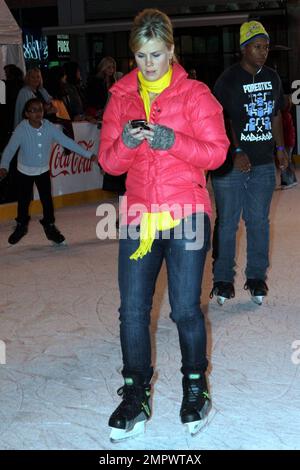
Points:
x=250 y=102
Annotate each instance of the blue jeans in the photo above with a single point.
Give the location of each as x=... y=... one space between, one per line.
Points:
x=137 y=284
x=248 y=195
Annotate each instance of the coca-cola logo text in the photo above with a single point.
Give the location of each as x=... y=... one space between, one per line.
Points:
x=71 y=164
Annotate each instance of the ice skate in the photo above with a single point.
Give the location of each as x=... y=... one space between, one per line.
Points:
x=19 y=232
x=53 y=234
x=196 y=403
x=223 y=291
x=288 y=178
x=129 y=419
x=258 y=289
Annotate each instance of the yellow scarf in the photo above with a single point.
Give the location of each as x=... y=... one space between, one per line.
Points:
x=159 y=220
x=156 y=87
x=149 y=224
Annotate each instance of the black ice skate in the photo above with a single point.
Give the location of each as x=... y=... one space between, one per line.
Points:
x=223 y=291
x=129 y=419
x=53 y=234
x=258 y=289
x=196 y=402
x=18 y=233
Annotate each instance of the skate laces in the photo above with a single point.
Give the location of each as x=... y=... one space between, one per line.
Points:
x=134 y=398
x=194 y=390
x=224 y=289
x=256 y=285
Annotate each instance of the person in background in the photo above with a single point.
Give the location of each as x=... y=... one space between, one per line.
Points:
x=251 y=96
x=13 y=84
x=74 y=90
x=99 y=89
x=33 y=88
x=288 y=176
x=34 y=137
x=99 y=85
x=180 y=133
x=192 y=74
x=57 y=86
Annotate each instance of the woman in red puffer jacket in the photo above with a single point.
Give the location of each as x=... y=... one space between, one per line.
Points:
x=180 y=134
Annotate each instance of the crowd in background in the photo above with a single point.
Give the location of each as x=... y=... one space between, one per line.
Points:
x=65 y=99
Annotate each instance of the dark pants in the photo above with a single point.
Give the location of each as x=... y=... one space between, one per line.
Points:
x=248 y=195
x=137 y=284
x=25 y=188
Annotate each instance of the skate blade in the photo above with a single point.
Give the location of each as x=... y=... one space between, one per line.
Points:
x=221 y=300
x=118 y=435
x=257 y=299
x=289 y=186
x=195 y=427
x=64 y=243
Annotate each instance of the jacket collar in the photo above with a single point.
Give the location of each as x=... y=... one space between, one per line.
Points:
x=129 y=83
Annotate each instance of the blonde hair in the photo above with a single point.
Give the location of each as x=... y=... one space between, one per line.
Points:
x=149 y=24
x=31 y=72
x=104 y=64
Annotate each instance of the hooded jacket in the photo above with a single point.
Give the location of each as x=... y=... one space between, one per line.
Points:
x=161 y=179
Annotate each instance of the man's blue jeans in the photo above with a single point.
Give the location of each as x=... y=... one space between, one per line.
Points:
x=137 y=284
x=248 y=195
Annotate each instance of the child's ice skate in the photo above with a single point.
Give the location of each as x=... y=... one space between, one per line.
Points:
x=53 y=234
x=19 y=232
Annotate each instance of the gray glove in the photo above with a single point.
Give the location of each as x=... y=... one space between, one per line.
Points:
x=163 y=138
x=128 y=139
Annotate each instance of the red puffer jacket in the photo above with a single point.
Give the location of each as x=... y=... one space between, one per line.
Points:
x=173 y=177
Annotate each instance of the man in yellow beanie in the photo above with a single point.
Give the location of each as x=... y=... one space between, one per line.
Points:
x=252 y=98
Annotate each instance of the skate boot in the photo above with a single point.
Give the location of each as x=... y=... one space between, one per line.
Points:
x=129 y=418
x=53 y=234
x=258 y=289
x=18 y=233
x=223 y=291
x=196 y=402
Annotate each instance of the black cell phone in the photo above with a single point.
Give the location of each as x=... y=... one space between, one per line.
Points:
x=139 y=123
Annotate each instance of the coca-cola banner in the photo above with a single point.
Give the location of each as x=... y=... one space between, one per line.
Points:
x=70 y=172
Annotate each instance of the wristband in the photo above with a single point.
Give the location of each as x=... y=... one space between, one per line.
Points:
x=280 y=147
x=238 y=149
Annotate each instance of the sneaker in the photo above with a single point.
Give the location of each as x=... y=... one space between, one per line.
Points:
x=52 y=233
x=258 y=289
x=223 y=291
x=18 y=233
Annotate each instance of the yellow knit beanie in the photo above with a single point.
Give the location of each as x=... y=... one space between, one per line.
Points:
x=251 y=30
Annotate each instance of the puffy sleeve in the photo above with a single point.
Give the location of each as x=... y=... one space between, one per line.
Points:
x=207 y=147
x=114 y=157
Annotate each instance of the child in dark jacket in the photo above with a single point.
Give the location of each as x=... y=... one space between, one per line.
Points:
x=33 y=138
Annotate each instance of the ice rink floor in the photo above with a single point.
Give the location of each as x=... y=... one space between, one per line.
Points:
x=59 y=322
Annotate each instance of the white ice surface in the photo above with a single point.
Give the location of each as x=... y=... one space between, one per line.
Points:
x=58 y=318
